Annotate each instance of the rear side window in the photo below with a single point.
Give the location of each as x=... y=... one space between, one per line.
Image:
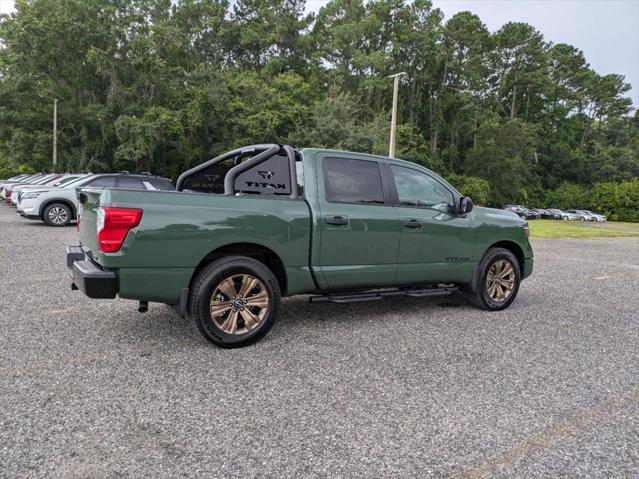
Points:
x=130 y=183
x=157 y=184
x=352 y=181
x=103 y=182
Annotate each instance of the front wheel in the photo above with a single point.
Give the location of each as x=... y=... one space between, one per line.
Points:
x=234 y=301
x=498 y=280
x=57 y=214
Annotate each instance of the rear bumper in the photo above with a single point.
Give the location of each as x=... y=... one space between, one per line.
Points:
x=88 y=276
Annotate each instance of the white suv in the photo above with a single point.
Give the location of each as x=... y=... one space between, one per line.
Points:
x=59 y=206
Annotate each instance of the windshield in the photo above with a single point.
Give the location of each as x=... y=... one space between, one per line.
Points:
x=33 y=180
x=67 y=179
x=78 y=181
x=42 y=180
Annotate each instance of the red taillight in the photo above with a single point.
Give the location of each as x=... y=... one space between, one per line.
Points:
x=9 y=193
x=113 y=224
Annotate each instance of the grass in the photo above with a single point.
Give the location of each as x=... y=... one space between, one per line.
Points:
x=556 y=229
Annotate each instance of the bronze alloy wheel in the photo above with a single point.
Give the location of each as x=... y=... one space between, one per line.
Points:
x=500 y=280
x=239 y=303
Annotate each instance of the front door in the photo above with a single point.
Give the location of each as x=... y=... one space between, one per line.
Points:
x=359 y=227
x=436 y=244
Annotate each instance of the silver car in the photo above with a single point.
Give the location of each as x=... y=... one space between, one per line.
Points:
x=563 y=215
x=596 y=216
x=582 y=216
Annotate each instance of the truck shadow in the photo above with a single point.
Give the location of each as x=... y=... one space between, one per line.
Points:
x=296 y=314
x=298 y=309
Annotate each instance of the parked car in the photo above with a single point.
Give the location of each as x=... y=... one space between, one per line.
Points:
x=15 y=179
x=522 y=212
x=597 y=216
x=582 y=216
x=238 y=235
x=7 y=190
x=563 y=215
x=11 y=181
x=59 y=206
x=545 y=214
x=55 y=182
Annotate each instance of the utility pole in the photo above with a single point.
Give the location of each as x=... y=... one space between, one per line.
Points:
x=55 y=135
x=391 y=148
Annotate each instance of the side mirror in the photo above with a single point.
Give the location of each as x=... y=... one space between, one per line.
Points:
x=465 y=205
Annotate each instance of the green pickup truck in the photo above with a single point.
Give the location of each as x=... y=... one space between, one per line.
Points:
x=266 y=221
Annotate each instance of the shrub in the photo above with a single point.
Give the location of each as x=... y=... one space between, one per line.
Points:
x=618 y=201
x=568 y=196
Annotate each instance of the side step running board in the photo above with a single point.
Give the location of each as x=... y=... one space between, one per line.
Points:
x=377 y=294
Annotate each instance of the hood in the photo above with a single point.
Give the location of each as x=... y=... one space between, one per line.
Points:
x=32 y=187
x=494 y=215
x=36 y=190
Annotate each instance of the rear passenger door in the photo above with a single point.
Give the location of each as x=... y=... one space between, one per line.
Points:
x=359 y=228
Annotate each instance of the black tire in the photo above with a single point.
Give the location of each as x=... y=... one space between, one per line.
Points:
x=210 y=280
x=479 y=295
x=57 y=214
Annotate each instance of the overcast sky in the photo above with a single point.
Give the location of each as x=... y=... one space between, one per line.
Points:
x=606 y=30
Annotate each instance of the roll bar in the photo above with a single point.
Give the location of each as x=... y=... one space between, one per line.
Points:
x=262 y=153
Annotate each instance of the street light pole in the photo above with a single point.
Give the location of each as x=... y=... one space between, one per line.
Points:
x=55 y=134
x=391 y=148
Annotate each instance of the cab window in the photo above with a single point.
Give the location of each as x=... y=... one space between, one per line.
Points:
x=352 y=181
x=418 y=189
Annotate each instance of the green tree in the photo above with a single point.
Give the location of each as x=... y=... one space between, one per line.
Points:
x=504 y=154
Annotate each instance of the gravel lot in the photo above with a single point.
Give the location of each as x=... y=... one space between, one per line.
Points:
x=398 y=388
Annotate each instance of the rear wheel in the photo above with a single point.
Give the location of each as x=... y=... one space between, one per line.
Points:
x=57 y=214
x=498 y=280
x=234 y=301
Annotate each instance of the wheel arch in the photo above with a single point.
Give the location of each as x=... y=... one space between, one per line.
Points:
x=261 y=253
x=513 y=247
x=63 y=201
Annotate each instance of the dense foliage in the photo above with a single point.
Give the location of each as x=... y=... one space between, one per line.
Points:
x=161 y=85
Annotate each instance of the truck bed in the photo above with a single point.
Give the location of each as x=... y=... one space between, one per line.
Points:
x=179 y=229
